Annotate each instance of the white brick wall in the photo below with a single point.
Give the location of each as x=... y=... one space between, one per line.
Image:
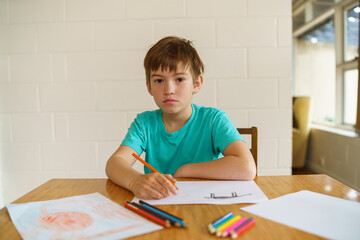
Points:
x=110 y=34
x=72 y=78
x=255 y=31
x=32 y=68
x=216 y=8
x=17 y=38
x=224 y=63
x=59 y=37
x=95 y=10
x=250 y=93
x=270 y=62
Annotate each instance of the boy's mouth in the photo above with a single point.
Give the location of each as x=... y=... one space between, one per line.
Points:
x=169 y=101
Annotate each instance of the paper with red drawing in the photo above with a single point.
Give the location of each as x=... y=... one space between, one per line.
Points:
x=91 y=216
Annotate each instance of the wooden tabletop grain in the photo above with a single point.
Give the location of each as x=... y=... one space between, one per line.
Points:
x=196 y=215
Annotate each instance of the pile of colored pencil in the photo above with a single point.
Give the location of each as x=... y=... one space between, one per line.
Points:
x=155 y=214
x=230 y=225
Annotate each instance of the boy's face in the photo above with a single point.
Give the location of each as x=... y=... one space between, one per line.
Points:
x=172 y=91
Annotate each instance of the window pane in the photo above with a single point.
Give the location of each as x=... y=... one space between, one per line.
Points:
x=315 y=71
x=320 y=6
x=351 y=33
x=350 y=96
x=310 y=10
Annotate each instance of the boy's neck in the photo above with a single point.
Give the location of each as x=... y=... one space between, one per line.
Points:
x=174 y=122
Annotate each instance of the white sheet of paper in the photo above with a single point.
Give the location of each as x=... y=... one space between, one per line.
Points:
x=316 y=213
x=91 y=216
x=212 y=192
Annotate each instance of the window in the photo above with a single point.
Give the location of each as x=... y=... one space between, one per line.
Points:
x=350 y=96
x=326 y=51
x=351 y=33
x=315 y=70
x=348 y=65
x=305 y=11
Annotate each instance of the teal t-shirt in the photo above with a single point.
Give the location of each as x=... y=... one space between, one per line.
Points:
x=203 y=138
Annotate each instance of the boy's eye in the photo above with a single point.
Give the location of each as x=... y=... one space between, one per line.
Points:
x=180 y=79
x=158 y=80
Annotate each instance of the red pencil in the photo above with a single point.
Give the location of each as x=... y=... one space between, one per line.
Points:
x=241 y=229
x=147 y=215
x=149 y=166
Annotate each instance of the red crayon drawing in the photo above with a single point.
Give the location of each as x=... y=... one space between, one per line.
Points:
x=65 y=221
x=91 y=216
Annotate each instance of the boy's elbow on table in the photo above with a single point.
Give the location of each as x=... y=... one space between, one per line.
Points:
x=243 y=175
x=251 y=171
x=245 y=172
x=251 y=174
x=107 y=170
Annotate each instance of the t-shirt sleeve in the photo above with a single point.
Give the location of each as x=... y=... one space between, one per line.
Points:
x=136 y=137
x=224 y=132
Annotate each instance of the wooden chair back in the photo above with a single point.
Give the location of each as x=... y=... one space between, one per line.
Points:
x=252 y=131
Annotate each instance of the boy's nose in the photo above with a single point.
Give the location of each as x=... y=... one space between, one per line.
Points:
x=169 y=88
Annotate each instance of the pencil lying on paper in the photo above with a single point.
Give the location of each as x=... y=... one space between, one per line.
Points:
x=178 y=221
x=146 y=215
x=148 y=210
x=172 y=220
x=149 y=166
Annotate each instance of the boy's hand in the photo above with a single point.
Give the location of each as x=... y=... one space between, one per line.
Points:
x=153 y=186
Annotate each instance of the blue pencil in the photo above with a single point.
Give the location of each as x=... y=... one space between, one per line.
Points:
x=212 y=226
x=179 y=221
x=162 y=217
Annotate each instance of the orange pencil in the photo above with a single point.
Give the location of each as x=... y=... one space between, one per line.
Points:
x=145 y=163
x=147 y=215
x=149 y=166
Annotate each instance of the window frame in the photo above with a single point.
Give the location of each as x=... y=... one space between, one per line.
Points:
x=357 y=125
x=337 y=11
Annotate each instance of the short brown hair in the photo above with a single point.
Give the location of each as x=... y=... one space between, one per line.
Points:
x=168 y=52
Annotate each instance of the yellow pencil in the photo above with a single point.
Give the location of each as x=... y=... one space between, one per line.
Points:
x=226 y=224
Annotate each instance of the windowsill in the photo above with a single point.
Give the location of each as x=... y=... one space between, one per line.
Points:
x=339 y=131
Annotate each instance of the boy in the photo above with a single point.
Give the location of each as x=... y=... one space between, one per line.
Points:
x=180 y=139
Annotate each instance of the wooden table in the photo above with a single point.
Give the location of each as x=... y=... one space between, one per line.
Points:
x=198 y=215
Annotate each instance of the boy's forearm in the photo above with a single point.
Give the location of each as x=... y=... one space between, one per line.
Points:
x=227 y=168
x=120 y=172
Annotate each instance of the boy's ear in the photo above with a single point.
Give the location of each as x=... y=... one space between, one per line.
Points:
x=148 y=87
x=198 y=83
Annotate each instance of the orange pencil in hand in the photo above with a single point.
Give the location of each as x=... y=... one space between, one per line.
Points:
x=149 y=166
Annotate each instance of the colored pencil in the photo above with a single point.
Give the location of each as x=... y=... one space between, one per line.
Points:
x=212 y=226
x=149 y=166
x=147 y=215
x=180 y=222
x=246 y=225
x=243 y=224
x=227 y=231
x=171 y=220
x=152 y=212
x=226 y=225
